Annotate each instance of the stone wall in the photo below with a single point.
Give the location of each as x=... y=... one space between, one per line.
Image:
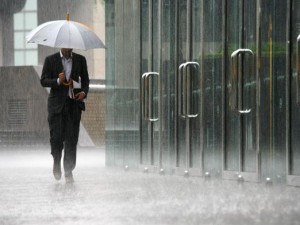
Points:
x=23 y=118
x=93 y=118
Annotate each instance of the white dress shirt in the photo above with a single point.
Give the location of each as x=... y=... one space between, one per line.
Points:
x=67 y=64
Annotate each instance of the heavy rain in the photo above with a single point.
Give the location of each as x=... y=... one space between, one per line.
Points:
x=190 y=118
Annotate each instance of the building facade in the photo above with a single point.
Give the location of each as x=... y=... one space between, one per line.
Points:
x=19 y=17
x=24 y=114
x=199 y=87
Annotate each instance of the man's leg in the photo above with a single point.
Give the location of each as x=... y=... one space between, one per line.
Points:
x=56 y=141
x=71 y=139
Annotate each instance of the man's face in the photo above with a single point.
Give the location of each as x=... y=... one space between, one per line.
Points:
x=66 y=52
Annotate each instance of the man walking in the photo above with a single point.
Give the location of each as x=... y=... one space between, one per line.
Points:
x=65 y=106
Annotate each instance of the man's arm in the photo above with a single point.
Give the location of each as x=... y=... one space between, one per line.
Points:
x=85 y=80
x=47 y=79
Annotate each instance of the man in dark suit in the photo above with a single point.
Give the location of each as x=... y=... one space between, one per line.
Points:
x=65 y=106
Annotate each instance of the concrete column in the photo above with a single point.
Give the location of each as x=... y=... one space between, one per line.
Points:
x=7 y=10
x=8 y=39
x=1 y=40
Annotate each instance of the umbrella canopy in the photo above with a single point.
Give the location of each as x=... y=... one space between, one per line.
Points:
x=65 y=34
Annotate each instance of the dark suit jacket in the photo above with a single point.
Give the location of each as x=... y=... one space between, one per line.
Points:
x=59 y=93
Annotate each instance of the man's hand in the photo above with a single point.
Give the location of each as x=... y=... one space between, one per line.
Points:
x=80 y=96
x=61 y=77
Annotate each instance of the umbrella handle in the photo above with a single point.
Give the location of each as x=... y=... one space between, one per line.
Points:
x=65 y=82
x=68 y=83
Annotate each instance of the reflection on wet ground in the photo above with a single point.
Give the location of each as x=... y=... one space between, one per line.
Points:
x=30 y=195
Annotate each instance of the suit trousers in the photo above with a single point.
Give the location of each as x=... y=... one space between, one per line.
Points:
x=64 y=133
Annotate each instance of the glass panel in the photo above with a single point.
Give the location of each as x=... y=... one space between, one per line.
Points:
x=233 y=125
x=145 y=68
x=30 y=20
x=182 y=58
x=168 y=70
x=195 y=91
x=156 y=60
x=19 y=58
x=272 y=83
x=31 y=5
x=249 y=85
x=189 y=50
x=279 y=87
x=31 y=57
x=130 y=65
x=110 y=116
x=151 y=63
x=241 y=147
x=212 y=77
x=120 y=87
x=18 y=21
x=295 y=107
x=123 y=79
x=19 y=40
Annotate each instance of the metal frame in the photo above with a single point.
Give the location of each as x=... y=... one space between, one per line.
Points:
x=298 y=70
x=290 y=179
x=258 y=70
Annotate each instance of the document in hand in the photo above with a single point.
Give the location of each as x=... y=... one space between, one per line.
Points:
x=76 y=87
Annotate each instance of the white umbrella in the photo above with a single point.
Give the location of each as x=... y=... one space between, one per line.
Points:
x=65 y=34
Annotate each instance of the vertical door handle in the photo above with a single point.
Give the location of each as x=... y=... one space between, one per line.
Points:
x=151 y=117
x=144 y=97
x=147 y=101
x=298 y=71
x=187 y=90
x=184 y=89
x=235 y=98
x=179 y=90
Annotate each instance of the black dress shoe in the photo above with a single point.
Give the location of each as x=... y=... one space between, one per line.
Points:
x=69 y=178
x=56 y=169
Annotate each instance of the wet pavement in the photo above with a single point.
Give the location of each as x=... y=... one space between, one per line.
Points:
x=29 y=195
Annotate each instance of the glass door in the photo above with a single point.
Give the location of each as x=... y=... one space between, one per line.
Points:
x=241 y=152
x=273 y=88
x=188 y=109
x=293 y=156
x=157 y=85
x=150 y=153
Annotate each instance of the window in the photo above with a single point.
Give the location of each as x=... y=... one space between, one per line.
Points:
x=24 y=22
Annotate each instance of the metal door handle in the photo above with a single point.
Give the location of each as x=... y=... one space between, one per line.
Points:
x=235 y=98
x=179 y=90
x=150 y=100
x=184 y=89
x=144 y=98
x=187 y=93
x=298 y=71
x=147 y=89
